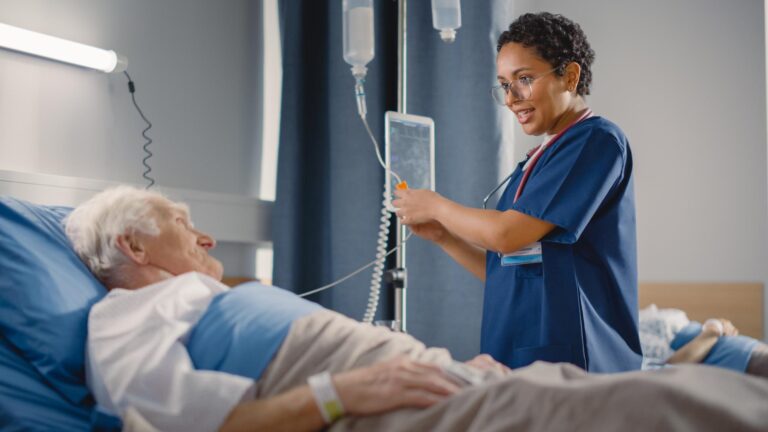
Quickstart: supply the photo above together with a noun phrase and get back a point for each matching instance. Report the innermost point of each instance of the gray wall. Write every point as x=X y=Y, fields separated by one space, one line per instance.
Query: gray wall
x=196 y=75
x=686 y=81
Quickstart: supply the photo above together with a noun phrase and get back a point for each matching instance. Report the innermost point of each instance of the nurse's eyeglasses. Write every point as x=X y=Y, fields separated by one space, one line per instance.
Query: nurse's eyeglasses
x=521 y=88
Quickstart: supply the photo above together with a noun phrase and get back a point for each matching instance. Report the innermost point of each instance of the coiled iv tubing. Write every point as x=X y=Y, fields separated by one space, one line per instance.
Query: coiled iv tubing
x=384 y=222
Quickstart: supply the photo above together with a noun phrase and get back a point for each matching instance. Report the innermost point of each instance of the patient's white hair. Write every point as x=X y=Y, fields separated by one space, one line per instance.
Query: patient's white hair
x=93 y=226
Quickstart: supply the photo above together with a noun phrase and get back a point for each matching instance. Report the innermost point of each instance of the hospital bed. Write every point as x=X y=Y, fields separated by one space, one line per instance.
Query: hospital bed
x=45 y=295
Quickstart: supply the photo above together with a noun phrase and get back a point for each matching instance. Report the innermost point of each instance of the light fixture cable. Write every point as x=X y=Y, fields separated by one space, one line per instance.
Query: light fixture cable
x=149 y=154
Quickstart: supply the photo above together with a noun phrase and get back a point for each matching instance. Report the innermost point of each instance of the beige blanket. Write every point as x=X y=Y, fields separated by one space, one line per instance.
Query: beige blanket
x=541 y=397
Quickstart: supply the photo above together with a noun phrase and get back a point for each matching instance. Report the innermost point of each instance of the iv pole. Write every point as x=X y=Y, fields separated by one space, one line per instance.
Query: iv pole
x=398 y=275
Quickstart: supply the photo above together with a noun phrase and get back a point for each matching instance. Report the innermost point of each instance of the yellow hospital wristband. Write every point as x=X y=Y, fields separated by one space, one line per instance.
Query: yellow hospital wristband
x=325 y=397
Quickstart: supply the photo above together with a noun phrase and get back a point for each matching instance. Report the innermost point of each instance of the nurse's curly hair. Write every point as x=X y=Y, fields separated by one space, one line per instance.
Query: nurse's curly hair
x=557 y=40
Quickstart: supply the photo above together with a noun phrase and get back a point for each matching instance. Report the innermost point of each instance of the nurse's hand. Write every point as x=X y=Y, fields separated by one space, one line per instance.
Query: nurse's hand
x=433 y=231
x=416 y=206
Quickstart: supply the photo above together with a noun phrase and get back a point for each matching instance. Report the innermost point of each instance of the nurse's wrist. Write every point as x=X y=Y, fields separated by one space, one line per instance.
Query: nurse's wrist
x=445 y=239
x=441 y=208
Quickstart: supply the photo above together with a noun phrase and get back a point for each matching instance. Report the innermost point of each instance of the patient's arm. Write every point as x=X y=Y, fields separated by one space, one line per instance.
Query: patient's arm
x=383 y=387
x=294 y=410
x=697 y=349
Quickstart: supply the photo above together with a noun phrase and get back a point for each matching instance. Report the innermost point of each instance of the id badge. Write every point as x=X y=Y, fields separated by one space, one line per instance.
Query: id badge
x=530 y=254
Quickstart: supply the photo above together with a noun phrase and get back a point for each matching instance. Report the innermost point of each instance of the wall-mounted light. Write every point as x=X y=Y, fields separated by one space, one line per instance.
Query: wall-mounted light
x=51 y=47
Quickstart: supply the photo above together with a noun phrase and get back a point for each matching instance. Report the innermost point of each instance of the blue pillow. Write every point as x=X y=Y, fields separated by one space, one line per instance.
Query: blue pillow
x=28 y=404
x=45 y=294
x=247 y=325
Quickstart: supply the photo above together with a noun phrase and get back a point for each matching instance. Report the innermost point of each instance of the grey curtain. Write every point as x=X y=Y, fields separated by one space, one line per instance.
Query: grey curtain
x=330 y=185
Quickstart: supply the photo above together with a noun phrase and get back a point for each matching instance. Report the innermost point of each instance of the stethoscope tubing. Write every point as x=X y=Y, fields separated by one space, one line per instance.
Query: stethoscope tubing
x=533 y=158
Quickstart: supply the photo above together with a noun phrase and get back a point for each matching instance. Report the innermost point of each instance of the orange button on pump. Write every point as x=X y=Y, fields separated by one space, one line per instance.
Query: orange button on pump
x=402 y=185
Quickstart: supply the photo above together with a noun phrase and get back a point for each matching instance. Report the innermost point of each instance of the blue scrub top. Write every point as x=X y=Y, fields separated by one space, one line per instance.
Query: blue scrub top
x=580 y=304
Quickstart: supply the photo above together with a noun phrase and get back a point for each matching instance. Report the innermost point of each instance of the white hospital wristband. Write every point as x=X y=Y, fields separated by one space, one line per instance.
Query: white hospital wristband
x=325 y=397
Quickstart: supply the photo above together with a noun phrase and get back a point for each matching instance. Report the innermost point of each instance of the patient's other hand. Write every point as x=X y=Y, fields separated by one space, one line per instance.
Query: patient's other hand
x=728 y=329
x=486 y=362
x=396 y=383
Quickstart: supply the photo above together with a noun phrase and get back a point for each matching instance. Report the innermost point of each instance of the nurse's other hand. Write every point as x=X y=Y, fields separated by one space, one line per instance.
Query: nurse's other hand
x=416 y=206
x=397 y=383
x=433 y=231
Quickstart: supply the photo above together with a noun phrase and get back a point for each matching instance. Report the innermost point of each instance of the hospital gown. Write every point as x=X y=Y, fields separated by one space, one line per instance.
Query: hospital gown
x=657 y=329
x=137 y=358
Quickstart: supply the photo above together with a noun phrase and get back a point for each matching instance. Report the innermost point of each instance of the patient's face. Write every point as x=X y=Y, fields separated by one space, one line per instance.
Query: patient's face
x=180 y=248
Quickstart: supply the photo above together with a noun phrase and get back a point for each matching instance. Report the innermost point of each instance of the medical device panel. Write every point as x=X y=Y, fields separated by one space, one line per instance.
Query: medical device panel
x=410 y=151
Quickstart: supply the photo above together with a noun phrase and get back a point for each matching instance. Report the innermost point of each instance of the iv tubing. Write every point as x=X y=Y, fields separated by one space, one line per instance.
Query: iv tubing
x=333 y=284
x=384 y=220
x=378 y=268
x=381 y=243
x=362 y=110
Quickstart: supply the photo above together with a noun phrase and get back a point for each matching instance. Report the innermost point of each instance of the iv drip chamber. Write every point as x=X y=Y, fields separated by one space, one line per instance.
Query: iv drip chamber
x=358 y=34
x=446 y=17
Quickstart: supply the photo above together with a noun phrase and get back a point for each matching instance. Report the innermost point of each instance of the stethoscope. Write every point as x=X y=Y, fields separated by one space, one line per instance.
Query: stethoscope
x=496 y=189
x=533 y=157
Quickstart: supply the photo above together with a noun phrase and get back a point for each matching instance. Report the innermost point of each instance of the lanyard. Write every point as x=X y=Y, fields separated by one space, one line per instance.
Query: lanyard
x=536 y=153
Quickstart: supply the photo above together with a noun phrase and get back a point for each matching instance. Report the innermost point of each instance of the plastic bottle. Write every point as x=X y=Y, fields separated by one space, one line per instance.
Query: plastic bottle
x=446 y=17
x=358 y=34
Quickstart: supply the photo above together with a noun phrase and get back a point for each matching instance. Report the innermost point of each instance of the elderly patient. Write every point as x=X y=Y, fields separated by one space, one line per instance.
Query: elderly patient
x=306 y=367
x=143 y=247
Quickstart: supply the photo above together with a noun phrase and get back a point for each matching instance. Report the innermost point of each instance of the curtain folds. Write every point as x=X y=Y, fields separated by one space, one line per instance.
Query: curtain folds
x=330 y=185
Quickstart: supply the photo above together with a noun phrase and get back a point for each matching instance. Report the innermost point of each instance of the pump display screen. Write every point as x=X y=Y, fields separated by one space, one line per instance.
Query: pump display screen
x=410 y=150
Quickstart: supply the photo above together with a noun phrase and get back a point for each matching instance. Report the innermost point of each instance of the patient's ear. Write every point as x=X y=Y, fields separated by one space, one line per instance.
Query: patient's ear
x=132 y=247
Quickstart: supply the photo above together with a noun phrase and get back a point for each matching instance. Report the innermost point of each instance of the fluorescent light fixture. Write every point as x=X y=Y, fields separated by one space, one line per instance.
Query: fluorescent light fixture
x=51 y=47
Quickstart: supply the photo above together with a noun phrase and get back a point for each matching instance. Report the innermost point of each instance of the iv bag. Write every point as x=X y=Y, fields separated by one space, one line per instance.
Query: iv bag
x=446 y=17
x=358 y=34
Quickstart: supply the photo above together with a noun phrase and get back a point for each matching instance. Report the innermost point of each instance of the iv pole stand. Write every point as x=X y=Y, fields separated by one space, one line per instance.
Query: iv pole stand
x=398 y=275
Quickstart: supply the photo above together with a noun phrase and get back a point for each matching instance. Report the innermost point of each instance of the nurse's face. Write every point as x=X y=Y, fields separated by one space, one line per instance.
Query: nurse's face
x=545 y=111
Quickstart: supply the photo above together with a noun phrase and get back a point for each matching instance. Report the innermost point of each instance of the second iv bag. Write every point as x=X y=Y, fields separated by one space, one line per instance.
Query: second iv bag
x=446 y=17
x=358 y=34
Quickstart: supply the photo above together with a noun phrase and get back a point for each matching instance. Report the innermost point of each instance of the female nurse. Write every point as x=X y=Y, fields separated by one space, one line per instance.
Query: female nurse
x=558 y=253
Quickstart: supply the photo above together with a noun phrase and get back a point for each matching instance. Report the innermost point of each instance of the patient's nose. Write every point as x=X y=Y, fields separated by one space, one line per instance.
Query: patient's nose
x=205 y=240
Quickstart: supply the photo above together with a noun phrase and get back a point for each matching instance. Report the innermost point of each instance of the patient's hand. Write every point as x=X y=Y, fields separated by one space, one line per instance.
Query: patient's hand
x=397 y=383
x=728 y=327
x=486 y=362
